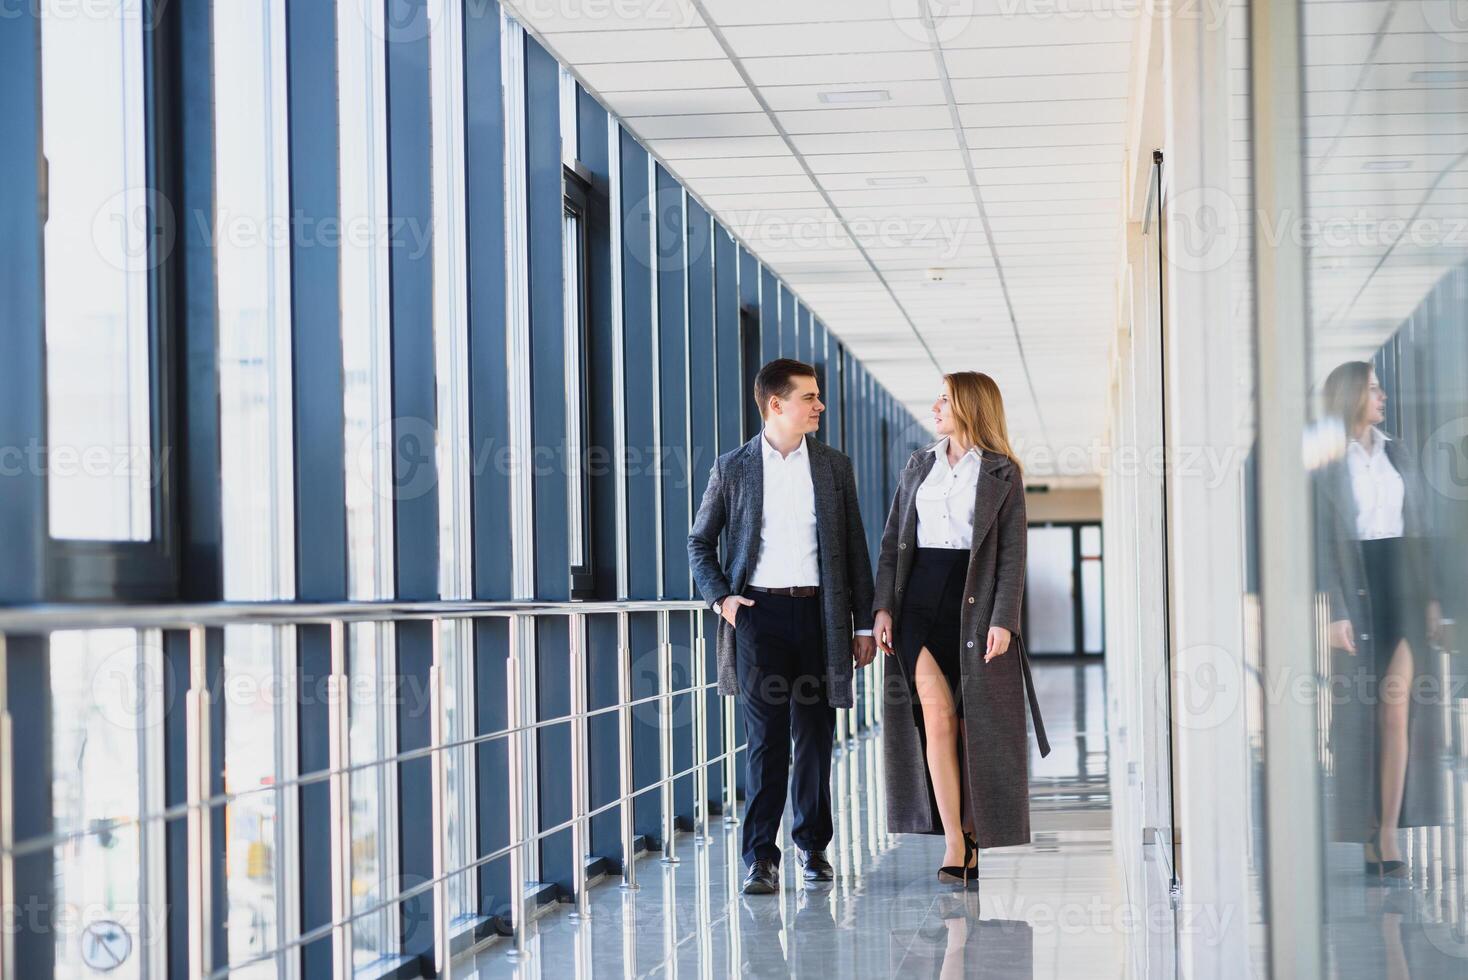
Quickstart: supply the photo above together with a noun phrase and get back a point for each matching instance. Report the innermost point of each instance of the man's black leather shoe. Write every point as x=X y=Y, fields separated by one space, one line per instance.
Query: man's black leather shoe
x=763 y=878
x=814 y=865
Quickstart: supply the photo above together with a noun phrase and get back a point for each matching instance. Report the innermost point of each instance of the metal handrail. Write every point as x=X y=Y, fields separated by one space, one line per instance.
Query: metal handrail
x=47 y=618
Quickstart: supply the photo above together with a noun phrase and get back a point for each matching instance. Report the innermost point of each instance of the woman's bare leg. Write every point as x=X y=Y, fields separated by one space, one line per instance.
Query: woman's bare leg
x=1392 y=713
x=941 y=727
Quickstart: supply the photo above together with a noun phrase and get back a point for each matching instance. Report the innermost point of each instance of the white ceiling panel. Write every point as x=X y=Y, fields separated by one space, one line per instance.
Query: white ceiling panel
x=612 y=78
x=1073 y=59
x=754 y=146
x=882 y=164
x=1039 y=88
x=688 y=101
x=866 y=69
x=734 y=13
x=702 y=126
x=898 y=119
x=923 y=139
x=827 y=97
x=839 y=37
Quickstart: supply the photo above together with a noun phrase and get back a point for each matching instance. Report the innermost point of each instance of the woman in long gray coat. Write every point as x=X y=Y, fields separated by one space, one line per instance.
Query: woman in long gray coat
x=1375 y=571
x=950 y=581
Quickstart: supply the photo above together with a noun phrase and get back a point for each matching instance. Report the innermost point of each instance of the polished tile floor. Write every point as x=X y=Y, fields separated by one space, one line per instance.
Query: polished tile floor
x=1049 y=909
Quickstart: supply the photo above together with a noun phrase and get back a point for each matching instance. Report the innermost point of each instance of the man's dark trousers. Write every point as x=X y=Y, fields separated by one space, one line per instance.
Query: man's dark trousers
x=781 y=666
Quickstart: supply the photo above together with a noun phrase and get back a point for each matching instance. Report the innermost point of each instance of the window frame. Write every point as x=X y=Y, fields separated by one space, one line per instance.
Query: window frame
x=118 y=570
x=579 y=199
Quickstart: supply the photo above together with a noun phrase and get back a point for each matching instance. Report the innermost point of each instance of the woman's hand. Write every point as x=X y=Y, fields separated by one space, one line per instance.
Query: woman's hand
x=882 y=631
x=998 y=643
x=1342 y=637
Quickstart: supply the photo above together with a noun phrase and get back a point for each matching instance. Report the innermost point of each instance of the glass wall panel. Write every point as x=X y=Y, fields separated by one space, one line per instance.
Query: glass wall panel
x=251 y=236
x=366 y=344
x=256 y=743
x=1385 y=202
x=98 y=230
x=371 y=737
x=106 y=707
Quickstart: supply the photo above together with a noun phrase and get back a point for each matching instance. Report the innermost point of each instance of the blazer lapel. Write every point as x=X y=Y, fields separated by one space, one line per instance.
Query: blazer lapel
x=823 y=482
x=909 y=507
x=752 y=476
x=989 y=495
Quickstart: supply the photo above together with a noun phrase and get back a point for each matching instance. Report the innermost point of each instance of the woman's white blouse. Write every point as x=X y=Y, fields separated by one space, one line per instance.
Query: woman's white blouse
x=1377 y=487
x=945 y=500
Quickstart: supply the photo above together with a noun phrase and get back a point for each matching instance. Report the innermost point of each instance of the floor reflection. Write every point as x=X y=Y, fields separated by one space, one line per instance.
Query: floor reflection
x=1050 y=909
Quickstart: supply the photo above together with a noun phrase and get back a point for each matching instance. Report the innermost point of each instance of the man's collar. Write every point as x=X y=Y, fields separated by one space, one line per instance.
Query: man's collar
x=770 y=450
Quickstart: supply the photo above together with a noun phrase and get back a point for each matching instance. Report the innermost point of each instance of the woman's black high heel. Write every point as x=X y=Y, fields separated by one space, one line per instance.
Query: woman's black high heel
x=1384 y=869
x=953 y=875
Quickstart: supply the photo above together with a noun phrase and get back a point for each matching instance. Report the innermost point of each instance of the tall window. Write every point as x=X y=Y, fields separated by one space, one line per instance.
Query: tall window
x=578 y=519
x=108 y=238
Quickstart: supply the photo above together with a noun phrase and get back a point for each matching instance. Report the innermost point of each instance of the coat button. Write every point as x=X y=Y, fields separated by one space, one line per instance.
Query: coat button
x=970 y=644
x=901 y=545
x=1365 y=636
x=970 y=600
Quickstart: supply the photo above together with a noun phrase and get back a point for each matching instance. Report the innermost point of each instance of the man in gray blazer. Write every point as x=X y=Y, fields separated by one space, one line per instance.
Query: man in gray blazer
x=795 y=581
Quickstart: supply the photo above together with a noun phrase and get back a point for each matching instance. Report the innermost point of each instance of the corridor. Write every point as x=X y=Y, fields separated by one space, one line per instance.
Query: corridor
x=404 y=397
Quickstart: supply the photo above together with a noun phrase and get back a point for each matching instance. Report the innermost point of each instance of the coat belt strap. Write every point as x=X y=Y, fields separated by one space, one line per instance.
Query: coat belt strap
x=1024 y=659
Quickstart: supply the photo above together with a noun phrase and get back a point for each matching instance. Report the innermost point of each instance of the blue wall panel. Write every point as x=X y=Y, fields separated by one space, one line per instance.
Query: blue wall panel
x=484 y=233
x=642 y=447
x=548 y=423
x=414 y=394
x=769 y=316
x=22 y=372
x=673 y=395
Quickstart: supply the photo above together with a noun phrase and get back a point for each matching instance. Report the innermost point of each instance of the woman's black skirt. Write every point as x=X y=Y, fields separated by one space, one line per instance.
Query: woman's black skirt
x=1396 y=613
x=930 y=618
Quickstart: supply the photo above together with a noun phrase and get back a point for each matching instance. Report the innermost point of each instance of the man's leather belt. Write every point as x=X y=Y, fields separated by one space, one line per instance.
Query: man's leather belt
x=796 y=591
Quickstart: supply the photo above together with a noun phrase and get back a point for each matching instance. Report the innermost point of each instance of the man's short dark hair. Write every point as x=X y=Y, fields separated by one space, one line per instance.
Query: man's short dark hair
x=777 y=380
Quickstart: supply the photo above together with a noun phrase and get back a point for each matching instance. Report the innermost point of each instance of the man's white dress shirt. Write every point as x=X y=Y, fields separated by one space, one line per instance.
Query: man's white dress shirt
x=1377 y=487
x=945 y=500
x=789 y=552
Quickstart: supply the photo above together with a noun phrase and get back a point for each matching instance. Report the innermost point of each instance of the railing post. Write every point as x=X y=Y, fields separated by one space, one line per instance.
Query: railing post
x=624 y=749
x=340 y=789
x=665 y=739
x=728 y=706
x=580 y=828
x=438 y=818
x=515 y=750
x=7 y=829
x=700 y=734
x=197 y=788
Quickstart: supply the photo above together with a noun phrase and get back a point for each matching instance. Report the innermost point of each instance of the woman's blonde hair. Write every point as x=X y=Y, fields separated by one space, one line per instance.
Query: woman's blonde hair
x=978 y=413
x=1347 y=394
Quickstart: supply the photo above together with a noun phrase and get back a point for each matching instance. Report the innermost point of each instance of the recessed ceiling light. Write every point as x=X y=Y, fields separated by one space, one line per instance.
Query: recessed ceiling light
x=897 y=181
x=859 y=95
x=1439 y=76
x=1387 y=165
